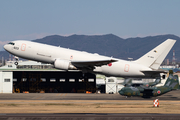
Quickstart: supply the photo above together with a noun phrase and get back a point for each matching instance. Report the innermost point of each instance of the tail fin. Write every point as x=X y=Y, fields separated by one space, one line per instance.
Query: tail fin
x=172 y=82
x=155 y=57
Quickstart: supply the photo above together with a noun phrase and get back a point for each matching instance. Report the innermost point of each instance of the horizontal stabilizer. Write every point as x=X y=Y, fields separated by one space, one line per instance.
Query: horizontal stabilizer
x=154 y=71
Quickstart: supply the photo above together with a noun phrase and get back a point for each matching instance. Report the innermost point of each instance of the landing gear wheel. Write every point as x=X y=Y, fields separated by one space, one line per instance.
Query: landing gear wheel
x=16 y=63
x=17 y=59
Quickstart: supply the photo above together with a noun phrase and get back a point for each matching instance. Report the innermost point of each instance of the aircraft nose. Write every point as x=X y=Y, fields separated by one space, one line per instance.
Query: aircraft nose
x=121 y=92
x=5 y=47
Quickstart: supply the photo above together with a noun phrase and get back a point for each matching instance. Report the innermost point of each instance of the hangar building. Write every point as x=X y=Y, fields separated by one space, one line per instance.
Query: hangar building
x=35 y=77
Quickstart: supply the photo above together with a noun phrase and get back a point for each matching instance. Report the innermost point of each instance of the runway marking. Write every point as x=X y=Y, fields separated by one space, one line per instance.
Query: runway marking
x=38 y=97
x=61 y=94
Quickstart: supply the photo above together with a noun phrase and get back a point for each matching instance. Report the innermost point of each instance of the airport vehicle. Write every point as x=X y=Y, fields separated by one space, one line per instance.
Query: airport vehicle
x=172 y=83
x=128 y=83
x=67 y=59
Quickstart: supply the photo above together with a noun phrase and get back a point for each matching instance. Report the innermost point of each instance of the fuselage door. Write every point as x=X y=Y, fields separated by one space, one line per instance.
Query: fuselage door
x=23 y=47
x=126 y=68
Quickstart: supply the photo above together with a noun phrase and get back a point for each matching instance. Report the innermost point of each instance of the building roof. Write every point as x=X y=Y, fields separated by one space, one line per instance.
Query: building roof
x=29 y=66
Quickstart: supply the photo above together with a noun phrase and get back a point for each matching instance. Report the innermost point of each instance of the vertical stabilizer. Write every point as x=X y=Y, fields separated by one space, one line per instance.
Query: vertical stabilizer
x=155 y=57
x=172 y=82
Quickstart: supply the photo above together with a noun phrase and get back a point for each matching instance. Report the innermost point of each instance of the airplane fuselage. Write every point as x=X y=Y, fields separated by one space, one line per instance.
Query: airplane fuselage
x=138 y=91
x=48 y=54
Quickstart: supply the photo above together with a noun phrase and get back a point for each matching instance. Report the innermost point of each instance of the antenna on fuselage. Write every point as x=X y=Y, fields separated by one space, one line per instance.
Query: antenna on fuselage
x=130 y=59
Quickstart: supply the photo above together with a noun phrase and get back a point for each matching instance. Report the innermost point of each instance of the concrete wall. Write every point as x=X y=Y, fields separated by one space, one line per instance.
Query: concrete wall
x=6 y=82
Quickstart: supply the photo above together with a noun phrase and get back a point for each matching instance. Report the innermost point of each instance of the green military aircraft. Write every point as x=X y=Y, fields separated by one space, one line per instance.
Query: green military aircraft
x=172 y=83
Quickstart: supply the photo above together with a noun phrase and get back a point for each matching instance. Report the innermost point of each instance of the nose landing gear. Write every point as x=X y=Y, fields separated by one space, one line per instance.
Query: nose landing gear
x=17 y=59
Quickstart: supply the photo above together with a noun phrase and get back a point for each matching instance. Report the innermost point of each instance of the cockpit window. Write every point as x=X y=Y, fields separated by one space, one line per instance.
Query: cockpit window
x=11 y=43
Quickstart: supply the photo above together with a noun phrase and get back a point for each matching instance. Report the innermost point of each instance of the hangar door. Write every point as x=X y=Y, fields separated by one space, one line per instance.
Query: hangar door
x=53 y=82
x=6 y=82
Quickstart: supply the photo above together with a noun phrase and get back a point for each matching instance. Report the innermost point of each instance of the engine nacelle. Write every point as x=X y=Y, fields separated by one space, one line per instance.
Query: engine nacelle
x=64 y=65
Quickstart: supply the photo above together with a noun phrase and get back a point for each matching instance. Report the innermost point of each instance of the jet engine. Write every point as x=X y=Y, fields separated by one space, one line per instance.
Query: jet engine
x=64 y=65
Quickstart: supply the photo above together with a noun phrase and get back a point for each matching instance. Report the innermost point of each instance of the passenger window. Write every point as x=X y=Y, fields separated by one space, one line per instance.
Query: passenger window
x=110 y=80
x=6 y=80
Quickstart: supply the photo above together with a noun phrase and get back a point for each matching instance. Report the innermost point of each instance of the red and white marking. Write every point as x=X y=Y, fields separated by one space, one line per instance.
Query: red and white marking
x=110 y=64
x=158 y=92
x=23 y=47
x=126 y=68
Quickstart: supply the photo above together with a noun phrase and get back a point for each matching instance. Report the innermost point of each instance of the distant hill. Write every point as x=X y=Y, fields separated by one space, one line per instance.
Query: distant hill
x=111 y=45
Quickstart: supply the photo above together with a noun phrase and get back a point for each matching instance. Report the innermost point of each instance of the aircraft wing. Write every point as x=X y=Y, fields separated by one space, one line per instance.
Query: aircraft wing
x=152 y=84
x=145 y=88
x=91 y=64
x=154 y=72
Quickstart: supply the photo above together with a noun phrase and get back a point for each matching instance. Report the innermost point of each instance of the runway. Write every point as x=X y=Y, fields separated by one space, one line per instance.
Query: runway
x=87 y=116
x=173 y=95
x=73 y=106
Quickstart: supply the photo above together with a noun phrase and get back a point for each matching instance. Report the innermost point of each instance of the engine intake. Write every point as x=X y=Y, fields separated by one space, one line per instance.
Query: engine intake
x=64 y=65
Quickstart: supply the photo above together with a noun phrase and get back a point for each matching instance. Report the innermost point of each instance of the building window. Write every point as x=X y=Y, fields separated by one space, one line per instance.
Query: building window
x=71 y=80
x=81 y=80
x=24 y=79
x=32 y=79
x=52 y=80
x=110 y=80
x=43 y=79
x=14 y=79
x=90 y=80
x=9 y=65
x=62 y=80
x=6 y=80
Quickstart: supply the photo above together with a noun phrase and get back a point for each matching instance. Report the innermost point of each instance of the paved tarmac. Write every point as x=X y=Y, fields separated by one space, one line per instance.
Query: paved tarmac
x=173 y=95
x=89 y=116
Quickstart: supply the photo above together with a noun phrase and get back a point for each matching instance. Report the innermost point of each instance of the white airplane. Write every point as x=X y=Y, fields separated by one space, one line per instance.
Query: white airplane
x=67 y=59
